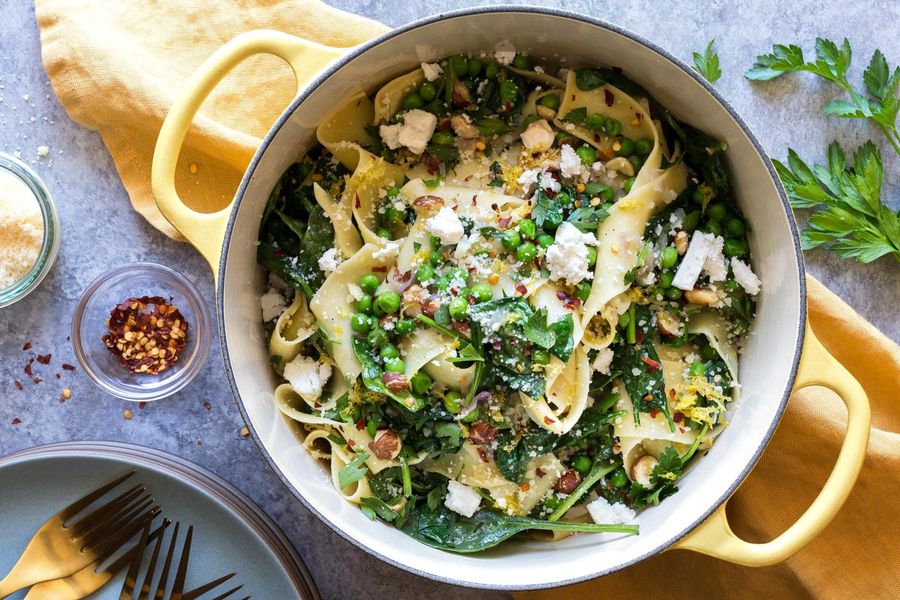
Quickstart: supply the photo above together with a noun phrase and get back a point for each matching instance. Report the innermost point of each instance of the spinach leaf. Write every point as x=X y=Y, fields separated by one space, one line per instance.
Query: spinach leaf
x=643 y=379
x=514 y=453
x=547 y=213
x=443 y=529
x=588 y=79
x=353 y=471
x=565 y=342
x=576 y=116
x=371 y=376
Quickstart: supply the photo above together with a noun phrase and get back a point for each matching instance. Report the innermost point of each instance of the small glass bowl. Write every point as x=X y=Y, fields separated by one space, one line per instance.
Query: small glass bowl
x=132 y=281
x=50 y=243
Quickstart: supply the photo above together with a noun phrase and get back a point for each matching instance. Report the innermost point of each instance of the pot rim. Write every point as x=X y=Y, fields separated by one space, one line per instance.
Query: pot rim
x=361 y=49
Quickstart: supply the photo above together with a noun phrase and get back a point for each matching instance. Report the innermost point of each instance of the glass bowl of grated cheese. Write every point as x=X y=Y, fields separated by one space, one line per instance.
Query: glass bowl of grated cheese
x=29 y=230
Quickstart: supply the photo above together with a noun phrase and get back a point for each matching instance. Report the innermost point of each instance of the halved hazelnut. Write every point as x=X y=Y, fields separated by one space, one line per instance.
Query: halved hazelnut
x=386 y=445
x=681 y=242
x=641 y=469
x=701 y=296
x=461 y=94
x=668 y=324
x=395 y=382
x=413 y=298
x=545 y=112
x=481 y=433
x=427 y=203
x=568 y=482
x=463 y=127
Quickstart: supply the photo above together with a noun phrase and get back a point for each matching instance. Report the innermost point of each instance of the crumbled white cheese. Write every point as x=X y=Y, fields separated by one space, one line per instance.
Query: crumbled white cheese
x=704 y=253
x=538 y=136
x=462 y=499
x=329 y=261
x=432 y=71
x=569 y=161
x=307 y=376
x=414 y=133
x=43 y=151
x=446 y=226
x=504 y=52
x=745 y=276
x=356 y=292
x=389 y=251
x=610 y=514
x=567 y=257
x=602 y=361
x=272 y=304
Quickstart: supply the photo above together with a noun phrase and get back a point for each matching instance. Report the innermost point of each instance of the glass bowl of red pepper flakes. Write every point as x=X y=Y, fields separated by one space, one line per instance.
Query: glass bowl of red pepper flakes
x=141 y=331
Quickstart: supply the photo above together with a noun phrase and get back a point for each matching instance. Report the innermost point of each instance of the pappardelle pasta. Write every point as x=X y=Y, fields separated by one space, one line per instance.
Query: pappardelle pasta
x=506 y=301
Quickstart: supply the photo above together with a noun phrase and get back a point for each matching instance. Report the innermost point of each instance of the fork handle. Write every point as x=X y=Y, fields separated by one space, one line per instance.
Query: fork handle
x=12 y=583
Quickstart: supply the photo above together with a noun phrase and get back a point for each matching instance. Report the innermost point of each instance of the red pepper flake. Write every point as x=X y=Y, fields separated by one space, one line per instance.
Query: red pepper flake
x=671 y=393
x=19 y=385
x=470 y=299
x=549 y=421
x=379 y=269
x=539 y=472
x=496 y=345
x=207 y=406
x=26 y=347
x=462 y=328
x=15 y=421
x=474 y=199
x=653 y=413
x=520 y=288
x=608 y=96
x=525 y=487
x=483 y=454
x=279 y=253
x=146 y=334
x=351 y=443
x=568 y=300
x=652 y=365
x=37 y=380
x=495 y=207
x=68 y=367
x=58 y=376
x=358 y=203
x=142 y=405
x=402 y=277
x=504 y=222
x=639 y=336
x=527 y=350
x=677 y=417
x=28 y=370
x=360 y=425
x=44 y=359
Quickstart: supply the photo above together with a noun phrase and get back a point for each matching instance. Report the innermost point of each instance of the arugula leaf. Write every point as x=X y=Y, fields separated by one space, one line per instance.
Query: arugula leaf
x=707 y=64
x=547 y=211
x=353 y=471
x=879 y=101
x=642 y=377
x=851 y=221
x=588 y=218
x=441 y=528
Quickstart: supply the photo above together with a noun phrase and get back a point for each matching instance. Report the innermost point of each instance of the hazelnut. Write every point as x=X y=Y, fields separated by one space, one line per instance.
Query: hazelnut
x=622 y=165
x=463 y=127
x=538 y=136
x=681 y=242
x=412 y=300
x=701 y=296
x=395 y=382
x=427 y=203
x=480 y=433
x=641 y=469
x=568 y=482
x=386 y=445
x=668 y=324
x=545 y=112
x=461 y=94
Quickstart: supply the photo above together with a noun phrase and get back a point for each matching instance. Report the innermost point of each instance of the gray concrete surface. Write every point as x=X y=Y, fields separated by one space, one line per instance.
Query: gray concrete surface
x=101 y=231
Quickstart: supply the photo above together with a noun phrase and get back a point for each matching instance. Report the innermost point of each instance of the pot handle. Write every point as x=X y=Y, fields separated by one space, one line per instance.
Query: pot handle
x=714 y=537
x=206 y=231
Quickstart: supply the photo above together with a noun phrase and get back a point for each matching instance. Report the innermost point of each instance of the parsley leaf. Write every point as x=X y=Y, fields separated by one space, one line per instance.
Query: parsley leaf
x=878 y=102
x=353 y=471
x=546 y=210
x=662 y=478
x=588 y=218
x=536 y=330
x=852 y=222
x=707 y=64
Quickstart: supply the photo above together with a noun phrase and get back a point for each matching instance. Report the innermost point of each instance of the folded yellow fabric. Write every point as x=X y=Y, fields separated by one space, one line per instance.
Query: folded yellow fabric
x=117 y=65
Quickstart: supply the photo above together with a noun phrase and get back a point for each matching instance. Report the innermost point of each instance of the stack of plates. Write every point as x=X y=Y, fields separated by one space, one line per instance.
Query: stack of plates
x=231 y=533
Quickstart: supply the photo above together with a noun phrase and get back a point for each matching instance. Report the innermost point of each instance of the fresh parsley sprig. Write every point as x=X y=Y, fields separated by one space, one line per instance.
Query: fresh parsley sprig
x=853 y=223
x=707 y=63
x=879 y=101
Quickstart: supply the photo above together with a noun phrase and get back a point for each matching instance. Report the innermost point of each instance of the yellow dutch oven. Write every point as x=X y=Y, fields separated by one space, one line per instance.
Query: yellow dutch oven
x=781 y=355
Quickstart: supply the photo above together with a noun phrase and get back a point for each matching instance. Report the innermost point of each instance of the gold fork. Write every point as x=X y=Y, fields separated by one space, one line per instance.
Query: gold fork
x=91 y=578
x=61 y=548
x=159 y=590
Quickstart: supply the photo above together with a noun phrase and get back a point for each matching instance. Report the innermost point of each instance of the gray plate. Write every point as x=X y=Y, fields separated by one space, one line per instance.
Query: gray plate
x=231 y=533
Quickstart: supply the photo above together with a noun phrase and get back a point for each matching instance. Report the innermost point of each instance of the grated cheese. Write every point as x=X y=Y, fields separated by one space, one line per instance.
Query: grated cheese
x=21 y=229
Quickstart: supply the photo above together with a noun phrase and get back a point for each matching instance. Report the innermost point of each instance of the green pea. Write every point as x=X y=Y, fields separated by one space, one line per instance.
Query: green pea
x=521 y=62
x=734 y=248
x=551 y=101
x=436 y=258
x=443 y=138
x=699 y=196
x=595 y=189
x=420 y=383
x=540 y=356
x=482 y=292
x=428 y=91
x=492 y=70
x=511 y=239
x=378 y=338
x=636 y=161
x=393 y=191
x=628 y=183
x=459 y=307
x=643 y=146
x=472 y=416
x=404 y=326
x=527 y=228
x=713 y=227
x=443 y=283
x=372 y=428
x=453 y=402
x=551 y=503
x=474 y=66
x=413 y=100
x=369 y=283
x=613 y=127
x=698 y=369
x=735 y=227
x=731 y=285
x=587 y=154
x=425 y=273
x=387 y=302
x=460 y=64
x=619 y=478
x=591 y=255
x=394 y=216
x=384 y=233
x=527 y=251
x=582 y=464
x=717 y=211
x=626 y=147
x=360 y=322
x=545 y=240
x=457 y=274
x=394 y=365
x=673 y=293
x=389 y=351
x=564 y=198
x=364 y=304
x=668 y=257
x=582 y=292
x=595 y=121
x=666 y=279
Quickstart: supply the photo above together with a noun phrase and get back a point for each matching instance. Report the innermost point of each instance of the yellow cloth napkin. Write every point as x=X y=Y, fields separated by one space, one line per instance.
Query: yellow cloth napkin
x=116 y=66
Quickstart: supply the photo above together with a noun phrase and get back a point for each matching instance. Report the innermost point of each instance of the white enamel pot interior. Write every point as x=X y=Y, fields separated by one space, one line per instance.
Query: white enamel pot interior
x=767 y=366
